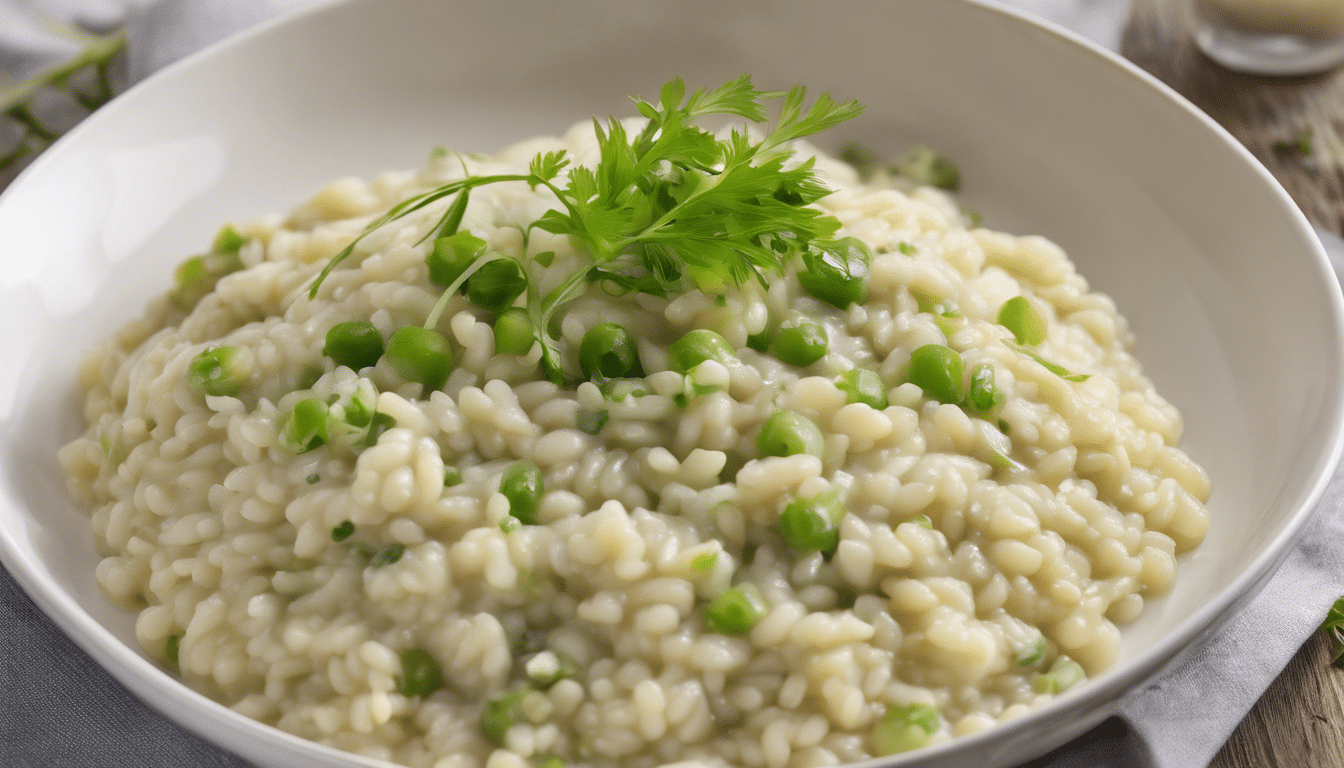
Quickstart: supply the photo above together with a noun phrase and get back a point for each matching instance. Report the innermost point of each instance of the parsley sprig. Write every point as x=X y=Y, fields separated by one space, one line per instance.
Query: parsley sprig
x=1334 y=626
x=670 y=207
x=93 y=63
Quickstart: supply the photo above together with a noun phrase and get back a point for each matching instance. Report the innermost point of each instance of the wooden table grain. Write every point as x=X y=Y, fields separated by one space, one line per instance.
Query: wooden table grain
x=1300 y=719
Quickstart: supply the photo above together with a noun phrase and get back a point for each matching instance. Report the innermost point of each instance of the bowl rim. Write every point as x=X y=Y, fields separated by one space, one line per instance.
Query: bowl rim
x=213 y=720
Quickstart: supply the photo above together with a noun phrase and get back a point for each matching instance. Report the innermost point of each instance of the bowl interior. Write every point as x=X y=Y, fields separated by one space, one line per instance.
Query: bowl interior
x=1221 y=279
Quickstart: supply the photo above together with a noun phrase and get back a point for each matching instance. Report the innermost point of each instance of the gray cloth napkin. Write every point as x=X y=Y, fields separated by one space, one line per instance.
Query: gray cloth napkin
x=60 y=709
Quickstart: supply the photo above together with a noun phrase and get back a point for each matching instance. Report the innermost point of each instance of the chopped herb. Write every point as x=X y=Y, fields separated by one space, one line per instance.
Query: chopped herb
x=1003 y=426
x=862 y=158
x=420 y=673
x=591 y=422
x=170 y=650
x=924 y=166
x=501 y=714
x=973 y=217
x=922 y=521
x=342 y=531
x=1301 y=144
x=387 y=555
x=451 y=476
x=378 y=424
x=906 y=248
x=313 y=479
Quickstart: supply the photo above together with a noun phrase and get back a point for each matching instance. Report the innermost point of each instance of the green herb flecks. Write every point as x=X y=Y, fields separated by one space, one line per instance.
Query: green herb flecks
x=672 y=206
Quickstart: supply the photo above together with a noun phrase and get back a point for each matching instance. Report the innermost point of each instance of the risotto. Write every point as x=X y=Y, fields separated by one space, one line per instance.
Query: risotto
x=497 y=489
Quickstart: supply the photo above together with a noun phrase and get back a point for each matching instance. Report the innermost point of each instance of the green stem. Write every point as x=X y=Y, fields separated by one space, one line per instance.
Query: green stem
x=433 y=320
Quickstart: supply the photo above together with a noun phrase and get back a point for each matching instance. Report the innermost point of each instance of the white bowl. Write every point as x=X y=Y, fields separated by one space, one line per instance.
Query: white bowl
x=1236 y=309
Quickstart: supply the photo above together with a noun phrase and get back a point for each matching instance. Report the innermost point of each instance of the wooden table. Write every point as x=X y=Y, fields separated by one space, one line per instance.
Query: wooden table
x=1300 y=719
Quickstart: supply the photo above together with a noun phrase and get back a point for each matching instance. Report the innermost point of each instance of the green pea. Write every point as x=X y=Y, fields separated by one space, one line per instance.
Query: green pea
x=902 y=729
x=937 y=370
x=421 y=355
x=420 y=673
x=1018 y=316
x=813 y=524
x=220 y=370
x=196 y=277
x=982 y=394
x=496 y=284
x=861 y=385
x=307 y=426
x=698 y=346
x=228 y=240
x=452 y=255
x=501 y=714
x=355 y=344
x=608 y=351
x=736 y=611
x=837 y=273
x=1063 y=675
x=1031 y=655
x=514 y=332
x=787 y=433
x=802 y=344
x=523 y=486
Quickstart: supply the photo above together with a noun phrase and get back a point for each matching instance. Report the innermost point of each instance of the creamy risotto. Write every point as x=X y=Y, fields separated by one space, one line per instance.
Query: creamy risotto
x=867 y=483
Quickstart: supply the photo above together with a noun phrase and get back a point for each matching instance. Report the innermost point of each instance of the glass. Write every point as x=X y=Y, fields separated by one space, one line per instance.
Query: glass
x=1270 y=37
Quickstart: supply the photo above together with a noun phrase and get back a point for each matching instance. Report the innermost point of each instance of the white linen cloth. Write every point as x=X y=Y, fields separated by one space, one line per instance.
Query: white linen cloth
x=58 y=708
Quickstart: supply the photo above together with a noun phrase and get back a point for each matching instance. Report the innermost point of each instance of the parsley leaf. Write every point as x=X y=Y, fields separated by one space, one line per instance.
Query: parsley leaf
x=671 y=207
